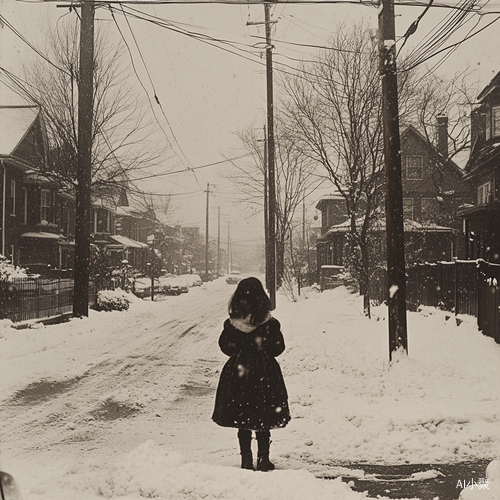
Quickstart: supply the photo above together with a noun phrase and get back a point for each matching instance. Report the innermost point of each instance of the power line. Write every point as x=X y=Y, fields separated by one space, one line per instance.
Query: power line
x=30 y=45
x=191 y=168
x=452 y=46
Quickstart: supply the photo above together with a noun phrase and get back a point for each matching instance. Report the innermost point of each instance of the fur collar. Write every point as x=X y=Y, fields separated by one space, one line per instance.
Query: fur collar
x=244 y=325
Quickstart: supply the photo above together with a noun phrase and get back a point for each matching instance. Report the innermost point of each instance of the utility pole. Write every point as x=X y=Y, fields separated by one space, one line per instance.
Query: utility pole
x=83 y=198
x=229 y=257
x=394 y=198
x=206 y=233
x=271 y=181
x=218 y=242
x=270 y=161
x=266 y=213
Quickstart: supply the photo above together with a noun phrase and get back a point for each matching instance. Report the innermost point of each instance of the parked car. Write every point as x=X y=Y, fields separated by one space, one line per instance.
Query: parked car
x=171 y=285
x=142 y=286
x=234 y=278
x=207 y=277
x=191 y=279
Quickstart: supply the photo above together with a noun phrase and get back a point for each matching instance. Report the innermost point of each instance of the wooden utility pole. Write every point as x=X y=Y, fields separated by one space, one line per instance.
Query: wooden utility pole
x=394 y=198
x=271 y=271
x=266 y=213
x=269 y=176
x=218 y=242
x=206 y=233
x=83 y=199
x=229 y=263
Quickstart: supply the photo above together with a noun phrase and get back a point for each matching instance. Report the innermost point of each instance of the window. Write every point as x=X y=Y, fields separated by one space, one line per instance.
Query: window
x=408 y=208
x=430 y=206
x=484 y=193
x=414 y=168
x=495 y=121
x=45 y=205
x=13 y=197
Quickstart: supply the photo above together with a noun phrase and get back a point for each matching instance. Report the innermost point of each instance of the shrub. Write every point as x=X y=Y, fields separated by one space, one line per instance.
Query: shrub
x=112 y=300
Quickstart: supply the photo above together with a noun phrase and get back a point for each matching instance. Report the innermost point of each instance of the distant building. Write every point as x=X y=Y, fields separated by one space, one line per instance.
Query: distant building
x=433 y=189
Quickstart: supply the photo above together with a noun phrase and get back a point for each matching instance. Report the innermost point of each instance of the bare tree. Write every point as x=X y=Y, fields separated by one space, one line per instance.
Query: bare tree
x=333 y=107
x=121 y=128
x=335 y=114
x=295 y=178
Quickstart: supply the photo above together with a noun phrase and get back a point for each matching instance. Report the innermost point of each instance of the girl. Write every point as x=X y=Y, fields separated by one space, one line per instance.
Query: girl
x=251 y=394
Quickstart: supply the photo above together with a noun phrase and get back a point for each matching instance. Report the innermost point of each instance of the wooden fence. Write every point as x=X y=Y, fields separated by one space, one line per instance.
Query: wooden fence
x=462 y=287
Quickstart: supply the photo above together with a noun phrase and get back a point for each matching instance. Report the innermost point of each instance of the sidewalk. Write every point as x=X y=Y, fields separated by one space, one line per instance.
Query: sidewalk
x=395 y=481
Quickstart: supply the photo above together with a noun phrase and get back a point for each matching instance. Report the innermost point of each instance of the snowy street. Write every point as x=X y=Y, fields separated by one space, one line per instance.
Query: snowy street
x=119 y=405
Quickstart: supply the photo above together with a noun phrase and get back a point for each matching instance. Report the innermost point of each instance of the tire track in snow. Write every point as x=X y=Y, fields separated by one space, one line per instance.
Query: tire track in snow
x=172 y=358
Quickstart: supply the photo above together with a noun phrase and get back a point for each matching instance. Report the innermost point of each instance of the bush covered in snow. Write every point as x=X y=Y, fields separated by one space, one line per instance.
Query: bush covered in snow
x=112 y=300
x=8 y=270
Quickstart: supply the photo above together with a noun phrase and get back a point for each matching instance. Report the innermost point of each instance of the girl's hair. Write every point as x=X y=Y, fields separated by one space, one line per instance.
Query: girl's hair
x=249 y=301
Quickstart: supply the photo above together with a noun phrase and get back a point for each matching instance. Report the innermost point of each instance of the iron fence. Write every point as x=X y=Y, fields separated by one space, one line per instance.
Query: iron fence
x=41 y=298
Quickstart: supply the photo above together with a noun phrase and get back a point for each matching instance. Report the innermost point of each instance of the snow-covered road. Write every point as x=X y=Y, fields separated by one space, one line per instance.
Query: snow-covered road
x=118 y=405
x=112 y=387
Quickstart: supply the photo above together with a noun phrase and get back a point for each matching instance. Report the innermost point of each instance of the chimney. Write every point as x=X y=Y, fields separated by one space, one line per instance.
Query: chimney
x=442 y=139
x=477 y=125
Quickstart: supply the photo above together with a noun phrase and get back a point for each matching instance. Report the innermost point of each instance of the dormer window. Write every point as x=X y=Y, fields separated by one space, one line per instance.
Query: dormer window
x=495 y=121
x=484 y=193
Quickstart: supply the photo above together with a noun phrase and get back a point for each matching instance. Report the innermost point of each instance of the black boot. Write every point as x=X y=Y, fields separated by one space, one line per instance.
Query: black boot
x=245 y=439
x=263 y=443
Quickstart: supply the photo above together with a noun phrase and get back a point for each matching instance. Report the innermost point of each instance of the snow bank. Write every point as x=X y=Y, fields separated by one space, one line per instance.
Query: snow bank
x=438 y=404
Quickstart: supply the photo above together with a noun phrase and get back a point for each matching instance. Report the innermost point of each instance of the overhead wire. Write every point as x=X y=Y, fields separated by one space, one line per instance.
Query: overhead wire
x=4 y=21
x=214 y=41
x=450 y=47
x=146 y=91
x=192 y=168
x=154 y=89
x=435 y=39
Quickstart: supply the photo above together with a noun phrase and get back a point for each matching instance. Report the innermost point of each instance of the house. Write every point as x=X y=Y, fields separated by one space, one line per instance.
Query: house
x=433 y=189
x=333 y=211
x=424 y=242
x=481 y=218
x=36 y=218
x=38 y=210
x=433 y=184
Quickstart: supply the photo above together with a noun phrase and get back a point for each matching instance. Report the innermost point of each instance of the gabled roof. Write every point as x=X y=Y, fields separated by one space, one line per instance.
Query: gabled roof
x=490 y=88
x=482 y=153
x=412 y=130
x=15 y=122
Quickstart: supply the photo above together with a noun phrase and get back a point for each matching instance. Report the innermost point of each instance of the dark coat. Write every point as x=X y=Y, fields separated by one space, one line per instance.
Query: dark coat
x=251 y=393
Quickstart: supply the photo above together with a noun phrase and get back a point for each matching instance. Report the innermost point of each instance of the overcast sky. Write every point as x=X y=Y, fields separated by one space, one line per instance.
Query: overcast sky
x=210 y=91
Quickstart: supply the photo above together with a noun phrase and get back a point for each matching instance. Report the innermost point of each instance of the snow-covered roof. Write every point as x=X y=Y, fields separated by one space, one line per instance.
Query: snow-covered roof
x=127 y=242
x=409 y=226
x=15 y=121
